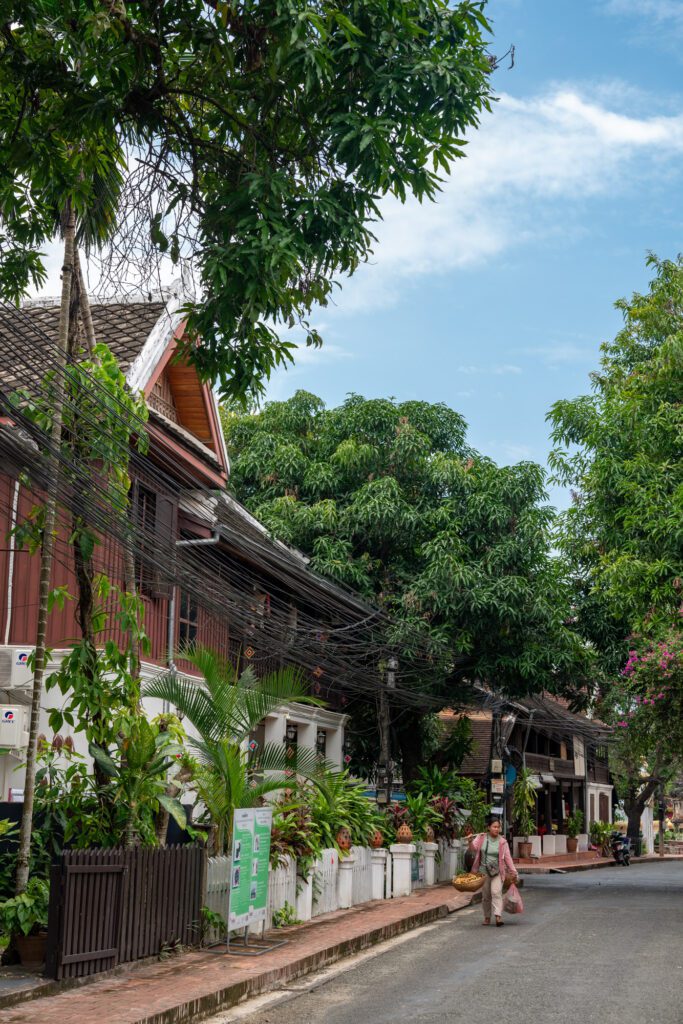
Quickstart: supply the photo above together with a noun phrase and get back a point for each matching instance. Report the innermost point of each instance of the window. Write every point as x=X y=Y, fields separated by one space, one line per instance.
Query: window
x=145 y=524
x=155 y=524
x=188 y=619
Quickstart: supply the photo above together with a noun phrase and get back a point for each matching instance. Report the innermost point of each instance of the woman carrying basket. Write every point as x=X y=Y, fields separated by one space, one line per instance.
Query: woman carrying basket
x=493 y=860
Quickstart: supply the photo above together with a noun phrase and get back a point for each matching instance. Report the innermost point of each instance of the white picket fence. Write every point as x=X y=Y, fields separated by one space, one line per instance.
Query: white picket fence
x=217 y=894
x=361 y=875
x=321 y=895
x=325 y=874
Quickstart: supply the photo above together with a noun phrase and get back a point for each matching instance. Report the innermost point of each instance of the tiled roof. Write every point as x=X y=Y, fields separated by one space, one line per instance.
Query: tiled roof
x=476 y=764
x=28 y=335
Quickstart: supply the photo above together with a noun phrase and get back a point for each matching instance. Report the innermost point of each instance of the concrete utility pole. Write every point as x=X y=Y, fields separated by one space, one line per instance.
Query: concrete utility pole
x=385 y=766
x=662 y=812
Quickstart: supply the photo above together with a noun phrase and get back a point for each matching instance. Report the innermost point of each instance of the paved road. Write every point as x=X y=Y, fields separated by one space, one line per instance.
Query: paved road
x=594 y=947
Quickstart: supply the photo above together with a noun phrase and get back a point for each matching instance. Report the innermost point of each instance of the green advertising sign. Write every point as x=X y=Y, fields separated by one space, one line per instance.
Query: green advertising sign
x=249 y=866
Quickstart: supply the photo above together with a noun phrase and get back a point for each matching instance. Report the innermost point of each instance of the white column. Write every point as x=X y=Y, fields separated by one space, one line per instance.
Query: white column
x=379 y=863
x=306 y=734
x=429 y=851
x=334 y=742
x=345 y=882
x=274 y=728
x=402 y=854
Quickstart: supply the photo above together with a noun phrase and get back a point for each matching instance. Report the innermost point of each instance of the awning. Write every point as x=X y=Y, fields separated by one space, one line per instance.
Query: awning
x=535 y=781
x=549 y=780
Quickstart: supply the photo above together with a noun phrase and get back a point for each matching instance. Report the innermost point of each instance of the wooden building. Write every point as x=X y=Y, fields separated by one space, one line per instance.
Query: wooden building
x=206 y=570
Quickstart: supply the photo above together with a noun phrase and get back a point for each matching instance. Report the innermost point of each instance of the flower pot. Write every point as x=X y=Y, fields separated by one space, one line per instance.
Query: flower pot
x=344 y=839
x=572 y=844
x=376 y=840
x=404 y=834
x=31 y=950
x=525 y=850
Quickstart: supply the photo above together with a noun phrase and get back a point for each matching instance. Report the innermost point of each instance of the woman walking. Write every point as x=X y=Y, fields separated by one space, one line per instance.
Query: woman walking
x=493 y=860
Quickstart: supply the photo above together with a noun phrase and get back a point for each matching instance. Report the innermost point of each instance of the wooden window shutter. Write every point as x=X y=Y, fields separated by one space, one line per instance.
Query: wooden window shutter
x=166 y=528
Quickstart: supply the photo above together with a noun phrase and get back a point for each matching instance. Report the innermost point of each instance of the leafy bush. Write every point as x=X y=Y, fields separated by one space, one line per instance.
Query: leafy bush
x=26 y=914
x=285 y=916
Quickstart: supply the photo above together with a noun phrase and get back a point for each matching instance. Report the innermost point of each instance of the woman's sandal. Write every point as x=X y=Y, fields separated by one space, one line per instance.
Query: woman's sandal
x=487 y=920
x=499 y=922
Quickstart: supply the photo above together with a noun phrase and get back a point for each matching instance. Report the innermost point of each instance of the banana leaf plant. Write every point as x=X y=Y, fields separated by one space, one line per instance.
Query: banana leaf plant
x=224 y=706
x=137 y=769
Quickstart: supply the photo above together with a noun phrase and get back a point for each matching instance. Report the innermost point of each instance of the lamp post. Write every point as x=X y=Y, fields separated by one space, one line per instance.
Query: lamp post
x=385 y=766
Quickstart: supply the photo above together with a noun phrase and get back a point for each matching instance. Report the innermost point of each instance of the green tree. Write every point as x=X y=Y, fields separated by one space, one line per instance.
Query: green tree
x=389 y=498
x=256 y=137
x=620 y=450
x=224 y=707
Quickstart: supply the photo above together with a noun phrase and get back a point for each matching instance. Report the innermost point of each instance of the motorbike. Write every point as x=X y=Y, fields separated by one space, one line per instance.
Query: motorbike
x=621 y=849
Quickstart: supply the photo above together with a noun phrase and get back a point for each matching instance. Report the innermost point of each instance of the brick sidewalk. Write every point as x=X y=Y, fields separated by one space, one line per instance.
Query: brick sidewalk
x=197 y=984
x=581 y=862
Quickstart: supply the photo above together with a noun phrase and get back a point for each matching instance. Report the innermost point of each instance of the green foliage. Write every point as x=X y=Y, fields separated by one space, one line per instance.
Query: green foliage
x=620 y=448
x=421 y=815
x=387 y=497
x=224 y=707
x=285 y=916
x=575 y=823
x=70 y=811
x=260 y=140
x=295 y=833
x=524 y=795
x=98 y=686
x=26 y=914
x=601 y=836
x=339 y=801
x=138 y=768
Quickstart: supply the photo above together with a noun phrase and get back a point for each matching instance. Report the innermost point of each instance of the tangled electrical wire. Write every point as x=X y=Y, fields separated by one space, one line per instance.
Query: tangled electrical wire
x=321 y=628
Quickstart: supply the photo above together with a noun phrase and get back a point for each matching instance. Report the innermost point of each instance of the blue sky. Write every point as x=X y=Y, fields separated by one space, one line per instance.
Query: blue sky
x=496 y=299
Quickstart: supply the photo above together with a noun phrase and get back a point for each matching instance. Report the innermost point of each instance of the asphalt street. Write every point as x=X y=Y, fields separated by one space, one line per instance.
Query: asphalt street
x=595 y=947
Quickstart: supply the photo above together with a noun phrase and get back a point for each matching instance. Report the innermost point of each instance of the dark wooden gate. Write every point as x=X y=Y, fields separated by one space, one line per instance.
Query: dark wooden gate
x=115 y=906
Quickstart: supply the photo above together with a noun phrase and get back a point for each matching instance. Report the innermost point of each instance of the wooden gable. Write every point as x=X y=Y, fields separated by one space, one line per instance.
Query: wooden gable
x=179 y=395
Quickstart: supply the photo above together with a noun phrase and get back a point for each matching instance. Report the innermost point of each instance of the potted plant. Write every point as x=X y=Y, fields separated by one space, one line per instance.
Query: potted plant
x=523 y=803
x=24 y=917
x=574 y=826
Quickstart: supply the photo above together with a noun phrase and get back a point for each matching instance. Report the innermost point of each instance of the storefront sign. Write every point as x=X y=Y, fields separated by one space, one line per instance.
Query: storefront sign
x=249 y=866
x=497 y=785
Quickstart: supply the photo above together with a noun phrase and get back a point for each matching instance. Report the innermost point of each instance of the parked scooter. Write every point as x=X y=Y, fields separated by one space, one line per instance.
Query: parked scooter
x=621 y=849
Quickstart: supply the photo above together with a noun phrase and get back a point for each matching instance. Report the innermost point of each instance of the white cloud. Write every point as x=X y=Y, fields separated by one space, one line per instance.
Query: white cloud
x=499 y=369
x=530 y=161
x=659 y=11
x=559 y=353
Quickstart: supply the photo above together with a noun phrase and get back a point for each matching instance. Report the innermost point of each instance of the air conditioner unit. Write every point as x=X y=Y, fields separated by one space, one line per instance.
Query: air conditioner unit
x=15 y=673
x=13 y=733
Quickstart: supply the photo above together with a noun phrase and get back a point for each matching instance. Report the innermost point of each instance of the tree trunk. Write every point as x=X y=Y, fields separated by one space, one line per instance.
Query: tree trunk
x=634 y=805
x=46 y=557
x=84 y=303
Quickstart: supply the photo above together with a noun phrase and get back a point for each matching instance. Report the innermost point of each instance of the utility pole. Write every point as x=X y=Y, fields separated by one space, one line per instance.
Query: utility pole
x=385 y=766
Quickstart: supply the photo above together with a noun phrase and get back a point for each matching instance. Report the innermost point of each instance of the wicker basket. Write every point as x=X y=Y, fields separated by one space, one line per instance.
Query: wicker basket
x=468 y=882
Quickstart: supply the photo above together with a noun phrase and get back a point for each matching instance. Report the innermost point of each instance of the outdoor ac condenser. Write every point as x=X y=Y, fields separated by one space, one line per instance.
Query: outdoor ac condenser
x=13 y=733
x=15 y=673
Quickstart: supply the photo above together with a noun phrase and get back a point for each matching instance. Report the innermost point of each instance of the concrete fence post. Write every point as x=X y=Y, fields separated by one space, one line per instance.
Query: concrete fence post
x=429 y=852
x=379 y=863
x=345 y=882
x=402 y=856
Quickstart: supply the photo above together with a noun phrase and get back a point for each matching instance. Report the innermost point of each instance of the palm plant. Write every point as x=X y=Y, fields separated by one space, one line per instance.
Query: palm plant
x=224 y=707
